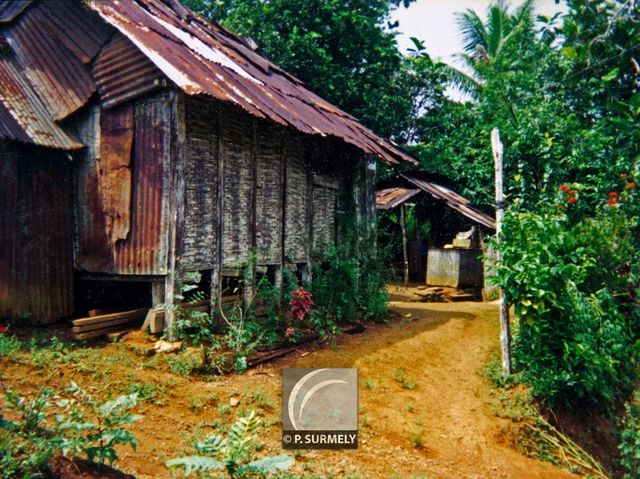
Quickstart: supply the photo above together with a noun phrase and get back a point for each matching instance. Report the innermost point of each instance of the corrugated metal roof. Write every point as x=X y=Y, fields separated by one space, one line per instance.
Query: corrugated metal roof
x=453 y=200
x=10 y=9
x=23 y=117
x=59 y=78
x=202 y=58
x=123 y=72
x=392 y=197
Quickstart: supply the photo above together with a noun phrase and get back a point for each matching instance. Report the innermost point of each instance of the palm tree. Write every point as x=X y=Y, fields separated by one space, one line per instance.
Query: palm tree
x=484 y=41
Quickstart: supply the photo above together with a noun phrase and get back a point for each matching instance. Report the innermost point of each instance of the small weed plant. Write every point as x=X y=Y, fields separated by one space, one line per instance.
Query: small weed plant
x=233 y=454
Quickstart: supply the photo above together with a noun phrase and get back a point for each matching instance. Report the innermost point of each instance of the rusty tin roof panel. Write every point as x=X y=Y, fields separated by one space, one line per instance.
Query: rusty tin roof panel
x=10 y=9
x=75 y=26
x=202 y=58
x=59 y=78
x=453 y=200
x=22 y=115
x=123 y=72
x=392 y=197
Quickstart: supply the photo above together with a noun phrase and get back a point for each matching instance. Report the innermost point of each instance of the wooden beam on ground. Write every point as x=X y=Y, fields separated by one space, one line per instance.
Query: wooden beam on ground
x=131 y=315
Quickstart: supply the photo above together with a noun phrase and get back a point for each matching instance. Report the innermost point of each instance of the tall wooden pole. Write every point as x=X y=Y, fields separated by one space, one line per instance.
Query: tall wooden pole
x=404 y=247
x=505 y=333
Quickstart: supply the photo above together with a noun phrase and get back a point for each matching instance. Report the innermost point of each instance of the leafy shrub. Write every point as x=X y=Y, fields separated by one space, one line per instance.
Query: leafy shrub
x=34 y=434
x=562 y=275
x=233 y=454
x=348 y=287
x=96 y=433
x=196 y=327
x=9 y=345
x=25 y=443
x=630 y=440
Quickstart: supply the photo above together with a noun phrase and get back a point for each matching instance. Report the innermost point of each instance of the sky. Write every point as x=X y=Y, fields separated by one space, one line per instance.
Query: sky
x=434 y=22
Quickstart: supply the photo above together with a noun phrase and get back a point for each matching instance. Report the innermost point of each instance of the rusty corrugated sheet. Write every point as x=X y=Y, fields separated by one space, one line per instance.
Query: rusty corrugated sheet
x=22 y=116
x=62 y=82
x=123 y=72
x=144 y=251
x=74 y=25
x=10 y=9
x=36 y=264
x=392 y=197
x=453 y=200
x=202 y=58
x=114 y=171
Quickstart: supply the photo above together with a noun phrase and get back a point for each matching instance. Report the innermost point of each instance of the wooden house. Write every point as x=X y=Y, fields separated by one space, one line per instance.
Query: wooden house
x=184 y=150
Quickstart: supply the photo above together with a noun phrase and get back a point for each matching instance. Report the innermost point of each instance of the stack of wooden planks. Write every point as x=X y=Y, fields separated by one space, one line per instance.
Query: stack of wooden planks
x=98 y=325
x=430 y=295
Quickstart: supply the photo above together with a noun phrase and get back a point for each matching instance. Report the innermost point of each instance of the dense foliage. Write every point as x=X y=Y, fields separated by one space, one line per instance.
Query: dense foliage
x=567 y=282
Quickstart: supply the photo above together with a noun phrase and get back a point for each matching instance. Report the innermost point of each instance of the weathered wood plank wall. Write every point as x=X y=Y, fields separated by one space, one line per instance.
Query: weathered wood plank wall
x=269 y=157
x=296 y=217
x=236 y=131
x=282 y=193
x=201 y=180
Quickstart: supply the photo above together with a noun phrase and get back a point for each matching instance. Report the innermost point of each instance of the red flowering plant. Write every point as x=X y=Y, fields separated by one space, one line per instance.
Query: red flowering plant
x=4 y=329
x=300 y=304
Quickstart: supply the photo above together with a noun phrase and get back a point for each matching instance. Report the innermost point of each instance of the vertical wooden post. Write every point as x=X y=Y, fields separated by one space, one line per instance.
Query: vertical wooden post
x=405 y=258
x=280 y=274
x=250 y=273
x=216 y=272
x=505 y=333
x=176 y=205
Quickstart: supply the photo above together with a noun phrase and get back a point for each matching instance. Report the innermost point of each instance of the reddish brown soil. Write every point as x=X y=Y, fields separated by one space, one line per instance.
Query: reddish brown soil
x=443 y=428
x=63 y=468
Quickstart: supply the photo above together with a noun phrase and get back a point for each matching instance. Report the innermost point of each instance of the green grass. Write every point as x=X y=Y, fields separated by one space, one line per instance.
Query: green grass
x=262 y=399
x=9 y=346
x=399 y=376
x=148 y=392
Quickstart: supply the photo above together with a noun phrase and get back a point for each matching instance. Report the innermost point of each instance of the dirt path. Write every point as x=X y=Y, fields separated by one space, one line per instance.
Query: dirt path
x=441 y=428
x=448 y=412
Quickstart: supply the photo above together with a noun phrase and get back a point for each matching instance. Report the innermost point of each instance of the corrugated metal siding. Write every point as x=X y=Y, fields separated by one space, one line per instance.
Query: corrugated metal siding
x=114 y=170
x=238 y=185
x=36 y=264
x=269 y=158
x=297 y=201
x=123 y=72
x=145 y=249
x=200 y=239
x=8 y=226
